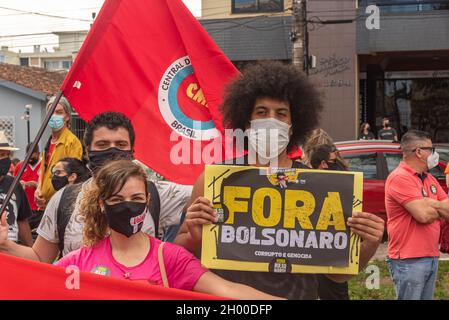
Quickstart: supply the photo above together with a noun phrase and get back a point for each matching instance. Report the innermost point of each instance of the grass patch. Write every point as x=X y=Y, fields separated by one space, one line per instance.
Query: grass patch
x=359 y=291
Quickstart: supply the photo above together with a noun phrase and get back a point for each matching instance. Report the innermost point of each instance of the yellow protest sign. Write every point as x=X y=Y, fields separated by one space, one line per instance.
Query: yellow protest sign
x=282 y=220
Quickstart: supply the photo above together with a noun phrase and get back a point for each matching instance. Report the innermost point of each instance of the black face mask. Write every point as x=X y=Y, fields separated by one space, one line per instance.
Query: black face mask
x=59 y=182
x=5 y=164
x=333 y=166
x=126 y=217
x=33 y=161
x=98 y=158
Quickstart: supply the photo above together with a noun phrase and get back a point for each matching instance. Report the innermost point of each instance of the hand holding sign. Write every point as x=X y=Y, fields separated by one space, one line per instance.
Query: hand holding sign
x=200 y=212
x=367 y=225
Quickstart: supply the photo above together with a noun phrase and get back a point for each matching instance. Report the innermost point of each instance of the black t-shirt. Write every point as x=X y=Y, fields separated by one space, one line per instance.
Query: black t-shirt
x=18 y=208
x=331 y=290
x=368 y=136
x=293 y=286
x=387 y=134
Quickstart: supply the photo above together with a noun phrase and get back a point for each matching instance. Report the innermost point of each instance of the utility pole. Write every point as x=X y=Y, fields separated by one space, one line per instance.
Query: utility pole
x=298 y=35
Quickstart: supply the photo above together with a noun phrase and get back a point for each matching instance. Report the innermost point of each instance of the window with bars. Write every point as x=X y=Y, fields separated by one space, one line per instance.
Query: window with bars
x=7 y=124
x=78 y=126
x=399 y=6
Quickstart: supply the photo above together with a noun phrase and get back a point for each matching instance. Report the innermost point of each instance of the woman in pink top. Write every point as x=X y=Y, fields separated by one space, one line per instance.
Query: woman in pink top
x=113 y=212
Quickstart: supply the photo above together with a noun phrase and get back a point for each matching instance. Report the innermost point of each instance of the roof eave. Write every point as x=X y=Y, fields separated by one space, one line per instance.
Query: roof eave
x=23 y=90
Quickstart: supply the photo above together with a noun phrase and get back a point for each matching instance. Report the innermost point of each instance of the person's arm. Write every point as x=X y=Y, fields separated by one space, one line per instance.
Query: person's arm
x=23 y=214
x=403 y=190
x=422 y=210
x=25 y=232
x=212 y=284
x=447 y=180
x=42 y=250
x=371 y=229
x=442 y=207
x=199 y=212
x=31 y=184
x=40 y=201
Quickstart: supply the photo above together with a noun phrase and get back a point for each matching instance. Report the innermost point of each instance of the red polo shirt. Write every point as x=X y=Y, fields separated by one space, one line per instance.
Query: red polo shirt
x=30 y=174
x=407 y=238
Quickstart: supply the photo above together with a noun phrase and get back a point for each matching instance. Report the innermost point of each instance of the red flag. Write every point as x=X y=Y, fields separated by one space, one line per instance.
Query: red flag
x=29 y=280
x=154 y=62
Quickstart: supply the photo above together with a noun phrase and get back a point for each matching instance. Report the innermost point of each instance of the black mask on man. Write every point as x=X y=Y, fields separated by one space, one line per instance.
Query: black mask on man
x=98 y=158
x=59 y=182
x=126 y=217
x=333 y=166
x=5 y=164
x=33 y=161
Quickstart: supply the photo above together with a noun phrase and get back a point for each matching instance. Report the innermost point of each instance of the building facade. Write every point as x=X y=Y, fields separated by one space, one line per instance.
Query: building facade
x=404 y=67
x=363 y=73
x=60 y=59
x=22 y=89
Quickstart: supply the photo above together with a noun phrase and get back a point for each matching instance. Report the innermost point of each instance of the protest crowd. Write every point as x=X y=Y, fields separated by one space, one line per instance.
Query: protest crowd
x=90 y=204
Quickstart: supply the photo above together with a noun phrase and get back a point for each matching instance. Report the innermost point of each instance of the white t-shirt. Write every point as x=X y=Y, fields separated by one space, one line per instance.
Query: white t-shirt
x=173 y=198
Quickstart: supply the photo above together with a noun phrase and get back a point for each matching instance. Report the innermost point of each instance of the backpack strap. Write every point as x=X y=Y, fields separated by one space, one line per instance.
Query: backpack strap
x=65 y=210
x=160 y=258
x=155 y=206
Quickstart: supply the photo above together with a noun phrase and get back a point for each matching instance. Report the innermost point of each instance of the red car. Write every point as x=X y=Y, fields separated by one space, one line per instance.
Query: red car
x=376 y=159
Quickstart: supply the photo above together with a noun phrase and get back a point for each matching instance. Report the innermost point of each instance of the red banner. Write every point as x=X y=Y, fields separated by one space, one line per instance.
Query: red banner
x=30 y=280
x=153 y=61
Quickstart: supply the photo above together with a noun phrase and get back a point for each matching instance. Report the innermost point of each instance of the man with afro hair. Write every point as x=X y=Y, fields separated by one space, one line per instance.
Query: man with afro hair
x=272 y=95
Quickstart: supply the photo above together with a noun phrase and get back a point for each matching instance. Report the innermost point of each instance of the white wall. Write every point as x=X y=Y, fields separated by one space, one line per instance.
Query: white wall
x=12 y=103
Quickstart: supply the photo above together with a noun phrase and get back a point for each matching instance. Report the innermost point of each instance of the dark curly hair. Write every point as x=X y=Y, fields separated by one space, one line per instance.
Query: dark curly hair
x=112 y=121
x=278 y=81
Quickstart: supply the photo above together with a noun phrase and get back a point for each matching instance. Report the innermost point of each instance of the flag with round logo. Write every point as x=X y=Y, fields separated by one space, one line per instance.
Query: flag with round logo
x=153 y=61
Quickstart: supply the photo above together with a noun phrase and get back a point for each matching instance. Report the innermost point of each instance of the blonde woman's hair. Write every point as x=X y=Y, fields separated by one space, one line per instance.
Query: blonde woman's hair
x=108 y=181
x=315 y=138
x=318 y=137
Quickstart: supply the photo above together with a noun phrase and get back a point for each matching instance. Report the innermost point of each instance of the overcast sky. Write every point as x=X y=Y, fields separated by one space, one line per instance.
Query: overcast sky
x=21 y=23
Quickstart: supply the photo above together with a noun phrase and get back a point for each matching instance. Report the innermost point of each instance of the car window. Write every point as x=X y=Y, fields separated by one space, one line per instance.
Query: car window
x=438 y=173
x=393 y=160
x=444 y=154
x=366 y=163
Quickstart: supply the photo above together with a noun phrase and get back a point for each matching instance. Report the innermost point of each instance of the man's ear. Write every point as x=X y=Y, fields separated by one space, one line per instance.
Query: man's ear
x=323 y=165
x=72 y=178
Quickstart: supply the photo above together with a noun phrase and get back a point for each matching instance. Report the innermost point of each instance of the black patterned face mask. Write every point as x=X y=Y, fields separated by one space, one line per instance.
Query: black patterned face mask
x=126 y=217
x=5 y=164
x=98 y=158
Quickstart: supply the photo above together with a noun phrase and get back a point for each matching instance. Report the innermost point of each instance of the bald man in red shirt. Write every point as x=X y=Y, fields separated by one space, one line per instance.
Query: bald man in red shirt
x=415 y=204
